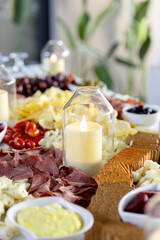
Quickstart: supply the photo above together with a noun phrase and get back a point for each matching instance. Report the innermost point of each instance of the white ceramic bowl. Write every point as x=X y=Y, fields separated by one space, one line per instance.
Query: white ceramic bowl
x=141 y=119
x=2 y=134
x=86 y=216
x=135 y=218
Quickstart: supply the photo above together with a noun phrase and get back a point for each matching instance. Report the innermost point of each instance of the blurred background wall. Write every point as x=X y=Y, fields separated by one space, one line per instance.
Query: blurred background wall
x=15 y=37
x=32 y=34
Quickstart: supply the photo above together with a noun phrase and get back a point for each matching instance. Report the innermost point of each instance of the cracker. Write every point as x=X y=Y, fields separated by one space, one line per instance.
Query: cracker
x=148 y=141
x=104 y=204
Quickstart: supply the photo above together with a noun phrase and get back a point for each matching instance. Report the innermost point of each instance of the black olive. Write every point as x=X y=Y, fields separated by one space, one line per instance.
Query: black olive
x=141 y=110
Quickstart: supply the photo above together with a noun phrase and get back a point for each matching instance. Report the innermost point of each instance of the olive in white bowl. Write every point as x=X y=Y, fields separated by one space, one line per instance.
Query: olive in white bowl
x=85 y=216
x=3 y=128
x=146 y=115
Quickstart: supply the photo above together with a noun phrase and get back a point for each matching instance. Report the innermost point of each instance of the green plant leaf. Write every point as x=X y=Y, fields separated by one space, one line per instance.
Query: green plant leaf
x=20 y=10
x=91 y=51
x=144 y=48
x=131 y=37
x=103 y=74
x=125 y=62
x=112 y=49
x=142 y=30
x=92 y=26
x=69 y=36
x=82 y=24
x=141 y=10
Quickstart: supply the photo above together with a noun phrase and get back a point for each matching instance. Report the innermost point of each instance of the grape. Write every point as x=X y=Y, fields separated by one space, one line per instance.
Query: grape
x=28 y=86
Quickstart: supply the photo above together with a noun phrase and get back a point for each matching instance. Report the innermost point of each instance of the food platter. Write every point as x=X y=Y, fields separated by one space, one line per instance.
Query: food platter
x=45 y=109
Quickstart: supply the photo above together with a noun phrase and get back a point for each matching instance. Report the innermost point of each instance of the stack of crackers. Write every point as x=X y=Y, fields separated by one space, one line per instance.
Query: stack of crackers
x=114 y=181
x=148 y=141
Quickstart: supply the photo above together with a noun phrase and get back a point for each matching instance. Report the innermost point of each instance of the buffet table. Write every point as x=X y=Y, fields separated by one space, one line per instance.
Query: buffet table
x=37 y=163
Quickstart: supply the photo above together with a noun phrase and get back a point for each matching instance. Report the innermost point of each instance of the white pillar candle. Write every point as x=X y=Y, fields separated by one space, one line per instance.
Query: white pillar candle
x=4 y=106
x=53 y=65
x=83 y=146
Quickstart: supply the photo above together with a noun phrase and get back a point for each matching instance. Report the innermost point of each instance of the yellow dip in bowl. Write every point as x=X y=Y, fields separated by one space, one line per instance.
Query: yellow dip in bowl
x=52 y=220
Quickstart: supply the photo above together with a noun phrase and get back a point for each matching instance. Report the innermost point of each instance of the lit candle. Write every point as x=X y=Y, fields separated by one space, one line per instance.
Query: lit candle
x=53 y=65
x=4 y=107
x=83 y=146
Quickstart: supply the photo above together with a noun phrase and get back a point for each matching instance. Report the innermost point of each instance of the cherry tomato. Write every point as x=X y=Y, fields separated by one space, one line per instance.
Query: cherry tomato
x=33 y=132
x=16 y=134
x=9 y=132
x=7 y=138
x=19 y=143
x=11 y=143
x=18 y=130
x=21 y=124
x=29 y=126
x=29 y=143
x=9 y=128
x=37 y=139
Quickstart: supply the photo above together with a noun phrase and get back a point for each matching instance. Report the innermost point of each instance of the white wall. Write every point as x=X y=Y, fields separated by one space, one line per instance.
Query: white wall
x=18 y=38
x=113 y=29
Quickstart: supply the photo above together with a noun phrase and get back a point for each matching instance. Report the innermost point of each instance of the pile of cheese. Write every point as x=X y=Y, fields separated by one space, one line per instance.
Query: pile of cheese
x=11 y=192
x=149 y=173
x=45 y=108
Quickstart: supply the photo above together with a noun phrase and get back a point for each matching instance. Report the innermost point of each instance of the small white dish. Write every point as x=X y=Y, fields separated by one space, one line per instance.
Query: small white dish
x=135 y=218
x=141 y=119
x=2 y=134
x=86 y=216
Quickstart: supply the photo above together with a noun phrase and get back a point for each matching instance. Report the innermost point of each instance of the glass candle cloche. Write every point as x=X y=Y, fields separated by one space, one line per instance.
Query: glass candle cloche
x=87 y=118
x=7 y=95
x=55 y=57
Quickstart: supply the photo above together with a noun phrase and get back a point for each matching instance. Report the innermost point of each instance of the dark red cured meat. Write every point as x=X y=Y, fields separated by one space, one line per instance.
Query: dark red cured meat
x=48 y=152
x=58 y=154
x=32 y=160
x=16 y=160
x=58 y=157
x=77 y=175
x=21 y=172
x=46 y=175
x=49 y=194
x=5 y=169
x=48 y=164
x=69 y=195
x=30 y=151
x=53 y=183
x=6 y=158
x=37 y=181
x=37 y=171
x=43 y=188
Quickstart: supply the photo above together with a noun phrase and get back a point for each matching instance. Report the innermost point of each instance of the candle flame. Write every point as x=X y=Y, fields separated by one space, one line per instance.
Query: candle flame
x=91 y=109
x=83 y=125
x=53 y=57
